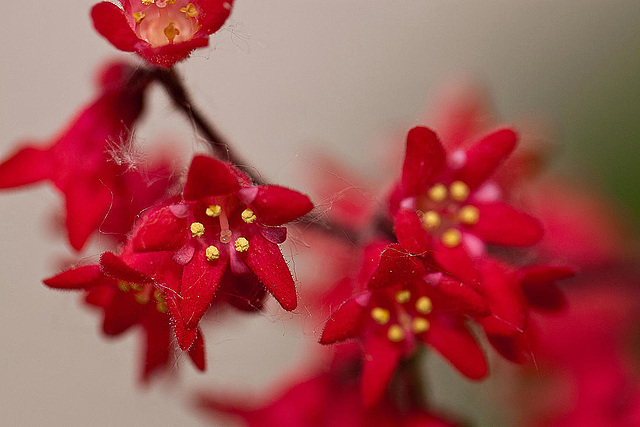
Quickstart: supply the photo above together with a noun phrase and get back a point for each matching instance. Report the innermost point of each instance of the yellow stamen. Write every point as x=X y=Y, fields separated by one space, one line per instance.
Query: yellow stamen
x=420 y=325
x=214 y=211
x=395 y=333
x=248 y=216
x=148 y=2
x=469 y=214
x=451 y=238
x=197 y=229
x=171 y=1
x=139 y=16
x=142 y=298
x=403 y=296
x=424 y=305
x=438 y=192
x=158 y=296
x=162 y=307
x=171 y=31
x=136 y=286
x=242 y=244
x=431 y=220
x=459 y=191
x=124 y=286
x=380 y=315
x=189 y=10
x=212 y=253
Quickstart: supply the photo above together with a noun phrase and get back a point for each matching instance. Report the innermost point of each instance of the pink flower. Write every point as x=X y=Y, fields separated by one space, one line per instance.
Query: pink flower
x=223 y=224
x=162 y=32
x=408 y=303
x=445 y=203
x=97 y=190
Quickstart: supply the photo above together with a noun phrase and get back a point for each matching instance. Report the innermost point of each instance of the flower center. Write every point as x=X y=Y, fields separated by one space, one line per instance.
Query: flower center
x=443 y=211
x=163 y=22
x=405 y=321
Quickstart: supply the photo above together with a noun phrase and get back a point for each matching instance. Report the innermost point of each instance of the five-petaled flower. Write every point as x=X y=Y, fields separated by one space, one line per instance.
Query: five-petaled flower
x=163 y=32
x=224 y=223
x=408 y=302
x=445 y=203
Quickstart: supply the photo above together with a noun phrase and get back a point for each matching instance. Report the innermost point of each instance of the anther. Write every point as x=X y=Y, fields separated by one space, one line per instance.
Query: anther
x=214 y=211
x=451 y=238
x=424 y=305
x=438 y=192
x=431 y=220
x=395 y=333
x=380 y=315
x=212 y=253
x=158 y=296
x=459 y=191
x=420 y=325
x=124 y=286
x=189 y=10
x=171 y=31
x=242 y=244
x=403 y=296
x=142 y=298
x=162 y=307
x=248 y=216
x=148 y=2
x=139 y=16
x=197 y=229
x=469 y=214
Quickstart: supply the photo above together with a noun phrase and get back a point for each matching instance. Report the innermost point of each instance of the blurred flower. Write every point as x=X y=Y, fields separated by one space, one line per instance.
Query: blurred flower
x=162 y=32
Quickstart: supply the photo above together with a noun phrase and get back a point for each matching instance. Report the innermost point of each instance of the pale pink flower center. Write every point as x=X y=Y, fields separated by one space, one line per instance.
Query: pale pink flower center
x=163 y=22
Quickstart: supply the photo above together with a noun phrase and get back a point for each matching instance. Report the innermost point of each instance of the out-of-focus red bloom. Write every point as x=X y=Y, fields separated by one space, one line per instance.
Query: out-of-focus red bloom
x=223 y=224
x=446 y=204
x=163 y=32
x=99 y=193
x=132 y=299
x=330 y=398
x=406 y=303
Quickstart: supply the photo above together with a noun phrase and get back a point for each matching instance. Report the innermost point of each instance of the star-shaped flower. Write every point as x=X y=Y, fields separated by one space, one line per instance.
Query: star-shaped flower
x=224 y=223
x=162 y=32
x=445 y=203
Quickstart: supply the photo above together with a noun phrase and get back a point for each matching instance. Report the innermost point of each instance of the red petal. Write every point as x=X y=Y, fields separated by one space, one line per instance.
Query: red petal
x=463 y=297
x=396 y=267
x=212 y=14
x=514 y=348
x=275 y=205
x=110 y=22
x=200 y=280
x=540 y=290
x=87 y=204
x=160 y=231
x=197 y=352
x=501 y=224
x=265 y=260
x=166 y=56
x=502 y=290
x=423 y=159
x=380 y=361
x=27 y=166
x=113 y=266
x=209 y=177
x=535 y=274
x=459 y=347
x=410 y=233
x=122 y=313
x=157 y=345
x=457 y=262
x=346 y=322
x=76 y=278
x=485 y=156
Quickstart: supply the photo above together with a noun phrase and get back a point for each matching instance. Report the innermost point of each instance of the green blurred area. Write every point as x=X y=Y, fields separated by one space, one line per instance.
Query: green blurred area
x=602 y=127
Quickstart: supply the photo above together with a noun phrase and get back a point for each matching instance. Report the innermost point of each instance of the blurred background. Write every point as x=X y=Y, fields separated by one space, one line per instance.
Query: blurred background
x=283 y=79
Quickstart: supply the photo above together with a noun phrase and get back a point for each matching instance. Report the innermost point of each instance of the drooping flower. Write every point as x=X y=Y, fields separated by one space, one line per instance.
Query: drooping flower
x=223 y=224
x=162 y=32
x=133 y=299
x=446 y=203
x=96 y=189
x=406 y=303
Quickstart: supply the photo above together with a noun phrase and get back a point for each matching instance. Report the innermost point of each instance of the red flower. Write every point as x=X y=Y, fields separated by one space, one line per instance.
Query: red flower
x=163 y=32
x=406 y=302
x=447 y=205
x=78 y=162
x=223 y=224
x=129 y=300
x=329 y=398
